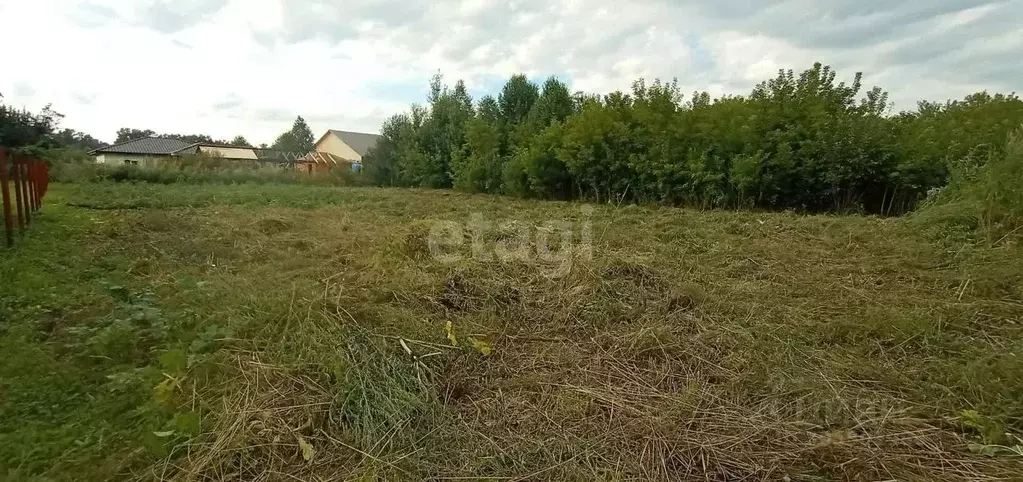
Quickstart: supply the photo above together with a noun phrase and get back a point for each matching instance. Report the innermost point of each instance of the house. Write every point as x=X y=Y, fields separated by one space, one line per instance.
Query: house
x=149 y=151
x=337 y=148
x=222 y=151
x=139 y=152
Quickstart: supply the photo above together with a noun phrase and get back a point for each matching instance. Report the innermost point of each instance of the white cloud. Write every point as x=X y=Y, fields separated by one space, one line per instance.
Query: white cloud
x=227 y=67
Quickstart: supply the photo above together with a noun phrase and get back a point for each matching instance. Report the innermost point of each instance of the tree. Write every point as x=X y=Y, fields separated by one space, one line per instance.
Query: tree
x=477 y=168
x=489 y=110
x=442 y=132
x=656 y=115
x=76 y=139
x=517 y=99
x=398 y=159
x=801 y=141
x=297 y=139
x=545 y=174
x=21 y=128
x=126 y=134
x=240 y=141
x=596 y=148
x=193 y=138
x=554 y=104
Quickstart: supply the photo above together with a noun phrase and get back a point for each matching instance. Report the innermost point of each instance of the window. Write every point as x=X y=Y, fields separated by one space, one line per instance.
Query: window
x=130 y=162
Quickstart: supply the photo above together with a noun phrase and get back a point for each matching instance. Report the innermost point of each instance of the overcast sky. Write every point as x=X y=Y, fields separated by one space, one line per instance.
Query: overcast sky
x=228 y=67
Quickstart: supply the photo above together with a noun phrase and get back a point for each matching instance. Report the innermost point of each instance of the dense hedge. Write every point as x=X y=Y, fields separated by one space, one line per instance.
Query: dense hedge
x=796 y=141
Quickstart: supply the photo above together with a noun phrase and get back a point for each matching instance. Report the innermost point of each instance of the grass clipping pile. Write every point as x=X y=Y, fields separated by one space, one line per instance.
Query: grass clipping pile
x=727 y=348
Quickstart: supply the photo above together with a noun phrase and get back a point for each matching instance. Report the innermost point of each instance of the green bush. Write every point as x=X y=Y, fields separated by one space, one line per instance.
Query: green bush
x=802 y=141
x=984 y=194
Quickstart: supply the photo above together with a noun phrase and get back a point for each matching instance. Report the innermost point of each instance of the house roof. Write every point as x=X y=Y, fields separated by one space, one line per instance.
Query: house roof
x=360 y=142
x=145 y=145
x=194 y=146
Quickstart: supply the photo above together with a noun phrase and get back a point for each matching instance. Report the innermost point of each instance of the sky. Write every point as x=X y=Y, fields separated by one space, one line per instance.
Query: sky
x=248 y=67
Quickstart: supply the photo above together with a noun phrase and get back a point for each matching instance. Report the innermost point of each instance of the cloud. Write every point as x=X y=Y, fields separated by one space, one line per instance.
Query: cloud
x=227 y=67
x=83 y=98
x=229 y=103
x=24 y=90
x=91 y=15
x=168 y=16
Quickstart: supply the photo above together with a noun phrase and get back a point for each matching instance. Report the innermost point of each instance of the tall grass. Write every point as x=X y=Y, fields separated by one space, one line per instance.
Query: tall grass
x=198 y=170
x=985 y=197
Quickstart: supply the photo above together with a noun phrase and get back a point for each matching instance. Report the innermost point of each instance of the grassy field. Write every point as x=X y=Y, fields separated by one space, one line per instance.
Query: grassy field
x=276 y=332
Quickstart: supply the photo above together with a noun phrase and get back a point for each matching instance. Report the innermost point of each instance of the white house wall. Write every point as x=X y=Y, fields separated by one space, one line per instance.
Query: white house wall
x=229 y=152
x=115 y=159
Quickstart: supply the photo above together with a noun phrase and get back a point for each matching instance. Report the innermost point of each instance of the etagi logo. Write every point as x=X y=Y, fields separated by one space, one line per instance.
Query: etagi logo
x=554 y=244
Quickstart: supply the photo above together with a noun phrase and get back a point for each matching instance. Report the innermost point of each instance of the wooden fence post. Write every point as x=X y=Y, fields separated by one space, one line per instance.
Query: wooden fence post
x=8 y=216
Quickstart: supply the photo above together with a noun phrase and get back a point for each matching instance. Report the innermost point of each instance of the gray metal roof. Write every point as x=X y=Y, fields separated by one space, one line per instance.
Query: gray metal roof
x=146 y=145
x=360 y=142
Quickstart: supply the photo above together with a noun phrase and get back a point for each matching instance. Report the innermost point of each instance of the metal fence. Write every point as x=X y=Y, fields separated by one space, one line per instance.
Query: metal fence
x=23 y=183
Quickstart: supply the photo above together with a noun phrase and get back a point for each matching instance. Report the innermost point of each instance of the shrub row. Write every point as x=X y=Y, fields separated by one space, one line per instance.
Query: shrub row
x=802 y=142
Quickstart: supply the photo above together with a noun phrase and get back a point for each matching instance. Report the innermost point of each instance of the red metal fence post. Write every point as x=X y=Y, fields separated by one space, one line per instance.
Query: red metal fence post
x=30 y=185
x=30 y=195
x=40 y=182
x=8 y=216
x=36 y=184
x=46 y=179
x=19 y=193
x=26 y=190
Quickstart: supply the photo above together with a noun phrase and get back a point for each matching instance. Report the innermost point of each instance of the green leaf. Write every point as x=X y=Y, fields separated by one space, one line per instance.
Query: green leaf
x=174 y=361
x=155 y=443
x=187 y=423
x=164 y=390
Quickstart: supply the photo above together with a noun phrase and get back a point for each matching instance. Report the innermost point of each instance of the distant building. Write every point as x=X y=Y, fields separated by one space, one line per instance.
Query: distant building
x=219 y=150
x=337 y=148
x=147 y=151
x=150 y=151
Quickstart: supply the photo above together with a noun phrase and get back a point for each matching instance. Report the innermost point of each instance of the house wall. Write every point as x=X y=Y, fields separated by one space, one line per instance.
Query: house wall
x=312 y=167
x=334 y=145
x=228 y=152
x=119 y=159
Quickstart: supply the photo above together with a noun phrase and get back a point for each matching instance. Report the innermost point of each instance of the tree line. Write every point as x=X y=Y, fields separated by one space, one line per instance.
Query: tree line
x=21 y=128
x=299 y=138
x=39 y=132
x=797 y=141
